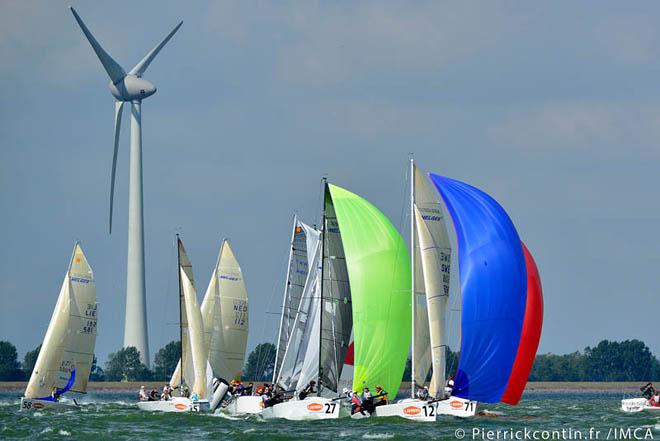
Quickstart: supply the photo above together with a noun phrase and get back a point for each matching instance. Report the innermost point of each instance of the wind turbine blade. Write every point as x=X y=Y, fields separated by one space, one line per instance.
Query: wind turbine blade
x=142 y=66
x=114 y=70
x=119 y=105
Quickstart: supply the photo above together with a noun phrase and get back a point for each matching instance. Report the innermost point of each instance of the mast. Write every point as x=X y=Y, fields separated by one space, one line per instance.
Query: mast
x=286 y=289
x=323 y=229
x=178 y=267
x=412 y=266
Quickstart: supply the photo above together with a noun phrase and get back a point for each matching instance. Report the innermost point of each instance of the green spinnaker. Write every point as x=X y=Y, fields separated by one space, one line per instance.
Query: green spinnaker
x=378 y=265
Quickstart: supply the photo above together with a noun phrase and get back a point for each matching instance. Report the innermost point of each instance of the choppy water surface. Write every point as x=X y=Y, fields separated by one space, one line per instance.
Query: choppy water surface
x=110 y=416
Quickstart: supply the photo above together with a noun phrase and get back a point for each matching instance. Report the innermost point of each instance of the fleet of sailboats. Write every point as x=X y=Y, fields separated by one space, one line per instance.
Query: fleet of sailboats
x=350 y=283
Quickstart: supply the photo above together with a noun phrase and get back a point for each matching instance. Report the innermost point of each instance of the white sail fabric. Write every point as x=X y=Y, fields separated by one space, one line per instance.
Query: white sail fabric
x=299 y=350
x=435 y=252
x=188 y=375
x=298 y=269
x=196 y=337
x=422 y=347
x=225 y=316
x=71 y=336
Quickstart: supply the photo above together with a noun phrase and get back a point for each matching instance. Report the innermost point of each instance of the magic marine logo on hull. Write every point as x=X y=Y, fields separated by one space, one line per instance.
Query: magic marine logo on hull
x=315 y=407
x=412 y=410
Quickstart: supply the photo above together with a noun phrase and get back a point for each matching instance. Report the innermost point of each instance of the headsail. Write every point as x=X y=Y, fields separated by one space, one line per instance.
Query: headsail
x=434 y=248
x=193 y=351
x=336 y=321
x=67 y=352
x=298 y=269
x=225 y=316
x=378 y=265
x=300 y=355
x=493 y=282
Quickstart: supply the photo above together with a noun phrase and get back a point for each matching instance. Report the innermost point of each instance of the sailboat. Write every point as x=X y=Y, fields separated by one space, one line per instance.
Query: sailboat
x=501 y=300
x=67 y=351
x=193 y=371
x=352 y=269
x=225 y=317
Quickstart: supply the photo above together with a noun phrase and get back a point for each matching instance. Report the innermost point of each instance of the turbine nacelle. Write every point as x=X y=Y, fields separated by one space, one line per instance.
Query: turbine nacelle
x=132 y=88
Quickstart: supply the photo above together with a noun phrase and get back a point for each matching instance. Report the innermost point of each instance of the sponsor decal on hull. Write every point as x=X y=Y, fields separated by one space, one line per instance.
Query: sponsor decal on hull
x=38 y=405
x=412 y=410
x=455 y=404
x=315 y=407
x=180 y=406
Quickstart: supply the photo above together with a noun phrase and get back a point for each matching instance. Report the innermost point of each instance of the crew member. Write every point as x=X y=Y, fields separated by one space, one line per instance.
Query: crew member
x=54 y=394
x=647 y=391
x=381 y=396
x=449 y=387
x=367 y=400
x=423 y=393
x=356 y=404
x=309 y=389
x=142 y=395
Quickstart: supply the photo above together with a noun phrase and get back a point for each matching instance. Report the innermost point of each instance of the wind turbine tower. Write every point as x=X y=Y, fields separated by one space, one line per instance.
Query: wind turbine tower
x=130 y=88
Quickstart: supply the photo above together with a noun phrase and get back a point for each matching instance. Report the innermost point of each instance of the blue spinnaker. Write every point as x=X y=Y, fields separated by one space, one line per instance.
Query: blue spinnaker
x=60 y=392
x=493 y=281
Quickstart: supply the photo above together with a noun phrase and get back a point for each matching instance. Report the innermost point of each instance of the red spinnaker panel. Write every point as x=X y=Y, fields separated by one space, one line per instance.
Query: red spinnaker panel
x=349 y=355
x=531 y=334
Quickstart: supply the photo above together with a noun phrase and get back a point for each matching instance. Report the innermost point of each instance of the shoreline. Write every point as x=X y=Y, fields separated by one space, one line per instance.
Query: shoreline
x=550 y=386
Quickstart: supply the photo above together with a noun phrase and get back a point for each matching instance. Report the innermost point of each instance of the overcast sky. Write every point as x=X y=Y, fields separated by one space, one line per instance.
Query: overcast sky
x=554 y=109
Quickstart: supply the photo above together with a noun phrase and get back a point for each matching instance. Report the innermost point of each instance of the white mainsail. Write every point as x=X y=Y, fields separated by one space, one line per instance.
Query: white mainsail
x=300 y=256
x=71 y=336
x=435 y=256
x=300 y=334
x=194 y=354
x=225 y=316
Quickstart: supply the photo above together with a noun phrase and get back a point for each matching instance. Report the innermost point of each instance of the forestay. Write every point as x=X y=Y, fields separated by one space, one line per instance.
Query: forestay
x=67 y=352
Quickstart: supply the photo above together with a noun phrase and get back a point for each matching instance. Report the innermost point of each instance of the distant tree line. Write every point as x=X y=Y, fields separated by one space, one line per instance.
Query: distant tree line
x=629 y=360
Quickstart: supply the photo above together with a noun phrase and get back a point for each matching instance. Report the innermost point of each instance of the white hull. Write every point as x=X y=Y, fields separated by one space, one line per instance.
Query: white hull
x=245 y=405
x=176 y=404
x=311 y=408
x=411 y=409
x=419 y=410
x=29 y=404
x=632 y=405
x=458 y=407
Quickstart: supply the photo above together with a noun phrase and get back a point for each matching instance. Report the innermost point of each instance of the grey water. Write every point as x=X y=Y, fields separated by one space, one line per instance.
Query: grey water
x=549 y=415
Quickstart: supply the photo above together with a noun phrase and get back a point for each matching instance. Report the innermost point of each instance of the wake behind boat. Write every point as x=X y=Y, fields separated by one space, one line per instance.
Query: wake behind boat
x=67 y=352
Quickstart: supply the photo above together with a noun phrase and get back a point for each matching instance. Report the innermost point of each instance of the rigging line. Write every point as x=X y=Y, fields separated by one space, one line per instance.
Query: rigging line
x=168 y=286
x=261 y=360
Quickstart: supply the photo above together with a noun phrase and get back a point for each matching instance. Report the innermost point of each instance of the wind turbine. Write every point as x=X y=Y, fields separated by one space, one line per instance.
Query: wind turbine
x=130 y=87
